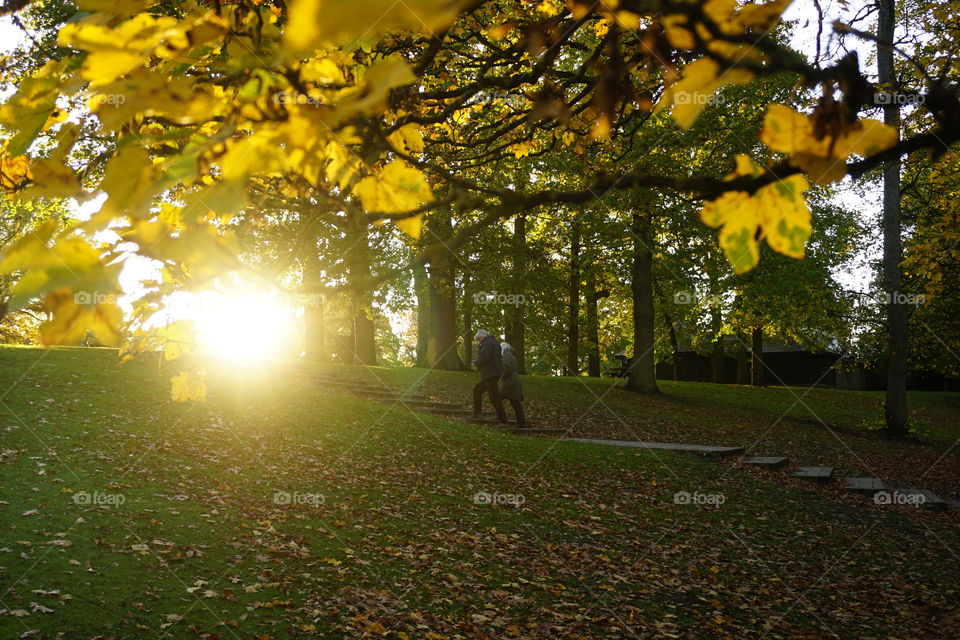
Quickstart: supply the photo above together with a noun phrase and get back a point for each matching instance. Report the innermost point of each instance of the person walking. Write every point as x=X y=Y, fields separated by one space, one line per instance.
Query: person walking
x=511 y=389
x=489 y=362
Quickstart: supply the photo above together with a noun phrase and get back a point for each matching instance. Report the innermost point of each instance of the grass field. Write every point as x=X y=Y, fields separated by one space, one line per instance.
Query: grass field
x=281 y=509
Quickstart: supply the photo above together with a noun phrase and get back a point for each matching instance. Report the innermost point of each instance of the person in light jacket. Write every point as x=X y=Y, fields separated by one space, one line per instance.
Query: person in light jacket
x=490 y=364
x=511 y=389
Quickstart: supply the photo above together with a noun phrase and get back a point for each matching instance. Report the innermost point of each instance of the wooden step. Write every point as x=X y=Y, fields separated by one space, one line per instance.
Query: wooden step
x=924 y=498
x=530 y=431
x=703 y=450
x=384 y=394
x=482 y=420
x=866 y=485
x=767 y=462
x=418 y=404
x=819 y=475
x=462 y=413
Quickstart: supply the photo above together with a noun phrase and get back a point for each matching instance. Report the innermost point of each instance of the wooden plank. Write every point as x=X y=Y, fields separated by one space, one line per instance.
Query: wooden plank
x=704 y=450
x=820 y=475
x=866 y=485
x=531 y=430
x=767 y=462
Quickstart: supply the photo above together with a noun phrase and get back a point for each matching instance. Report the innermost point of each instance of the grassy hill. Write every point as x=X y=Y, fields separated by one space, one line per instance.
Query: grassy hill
x=283 y=509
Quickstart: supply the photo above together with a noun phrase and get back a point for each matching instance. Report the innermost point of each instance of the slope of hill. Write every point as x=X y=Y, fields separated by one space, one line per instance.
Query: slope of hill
x=282 y=509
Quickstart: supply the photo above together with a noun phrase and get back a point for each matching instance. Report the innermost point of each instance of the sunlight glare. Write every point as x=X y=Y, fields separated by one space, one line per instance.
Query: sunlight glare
x=245 y=328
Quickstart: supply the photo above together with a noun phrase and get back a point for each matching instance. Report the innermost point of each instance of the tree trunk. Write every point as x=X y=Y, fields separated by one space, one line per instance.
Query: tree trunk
x=467 y=334
x=743 y=366
x=593 y=326
x=756 y=358
x=421 y=289
x=643 y=376
x=314 y=338
x=674 y=344
x=442 y=346
x=671 y=330
x=361 y=298
x=716 y=324
x=895 y=406
x=516 y=328
x=573 y=316
x=716 y=360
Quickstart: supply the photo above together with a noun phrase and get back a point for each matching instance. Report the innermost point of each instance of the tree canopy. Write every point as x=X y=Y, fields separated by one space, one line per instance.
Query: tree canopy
x=316 y=128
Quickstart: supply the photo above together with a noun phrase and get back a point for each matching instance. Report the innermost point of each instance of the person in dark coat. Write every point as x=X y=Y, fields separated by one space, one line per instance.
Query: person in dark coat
x=511 y=389
x=490 y=364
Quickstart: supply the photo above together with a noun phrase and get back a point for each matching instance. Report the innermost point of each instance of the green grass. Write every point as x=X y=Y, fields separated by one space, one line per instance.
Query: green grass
x=399 y=547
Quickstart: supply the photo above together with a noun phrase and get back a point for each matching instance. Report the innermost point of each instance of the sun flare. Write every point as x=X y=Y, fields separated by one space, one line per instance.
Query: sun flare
x=246 y=328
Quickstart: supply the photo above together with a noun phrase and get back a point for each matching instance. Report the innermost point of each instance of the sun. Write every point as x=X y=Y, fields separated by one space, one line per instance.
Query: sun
x=246 y=328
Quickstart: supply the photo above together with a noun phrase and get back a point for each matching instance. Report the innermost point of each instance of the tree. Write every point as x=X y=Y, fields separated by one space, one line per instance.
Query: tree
x=895 y=405
x=220 y=102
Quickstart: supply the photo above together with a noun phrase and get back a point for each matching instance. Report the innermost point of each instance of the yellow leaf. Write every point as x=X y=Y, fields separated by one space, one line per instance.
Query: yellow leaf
x=785 y=215
x=701 y=80
x=407 y=139
x=379 y=78
x=719 y=11
x=52 y=179
x=410 y=226
x=322 y=71
x=777 y=211
x=823 y=159
x=500 y=32
x=866 y=138
x=71 y=321
x=310 y=22
x=738 y=216
x=147 y=93
x=547 y=8
x=114 y=51
x=303 y=24
x=27 y=112
x=523 y=149
x=680 y=37
x=129 y=180
x=628 y=20
x=761 y=16
x=790 y=132
x=256 y=154
x=398 y=188
x=342 y=165
x=13 y=171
